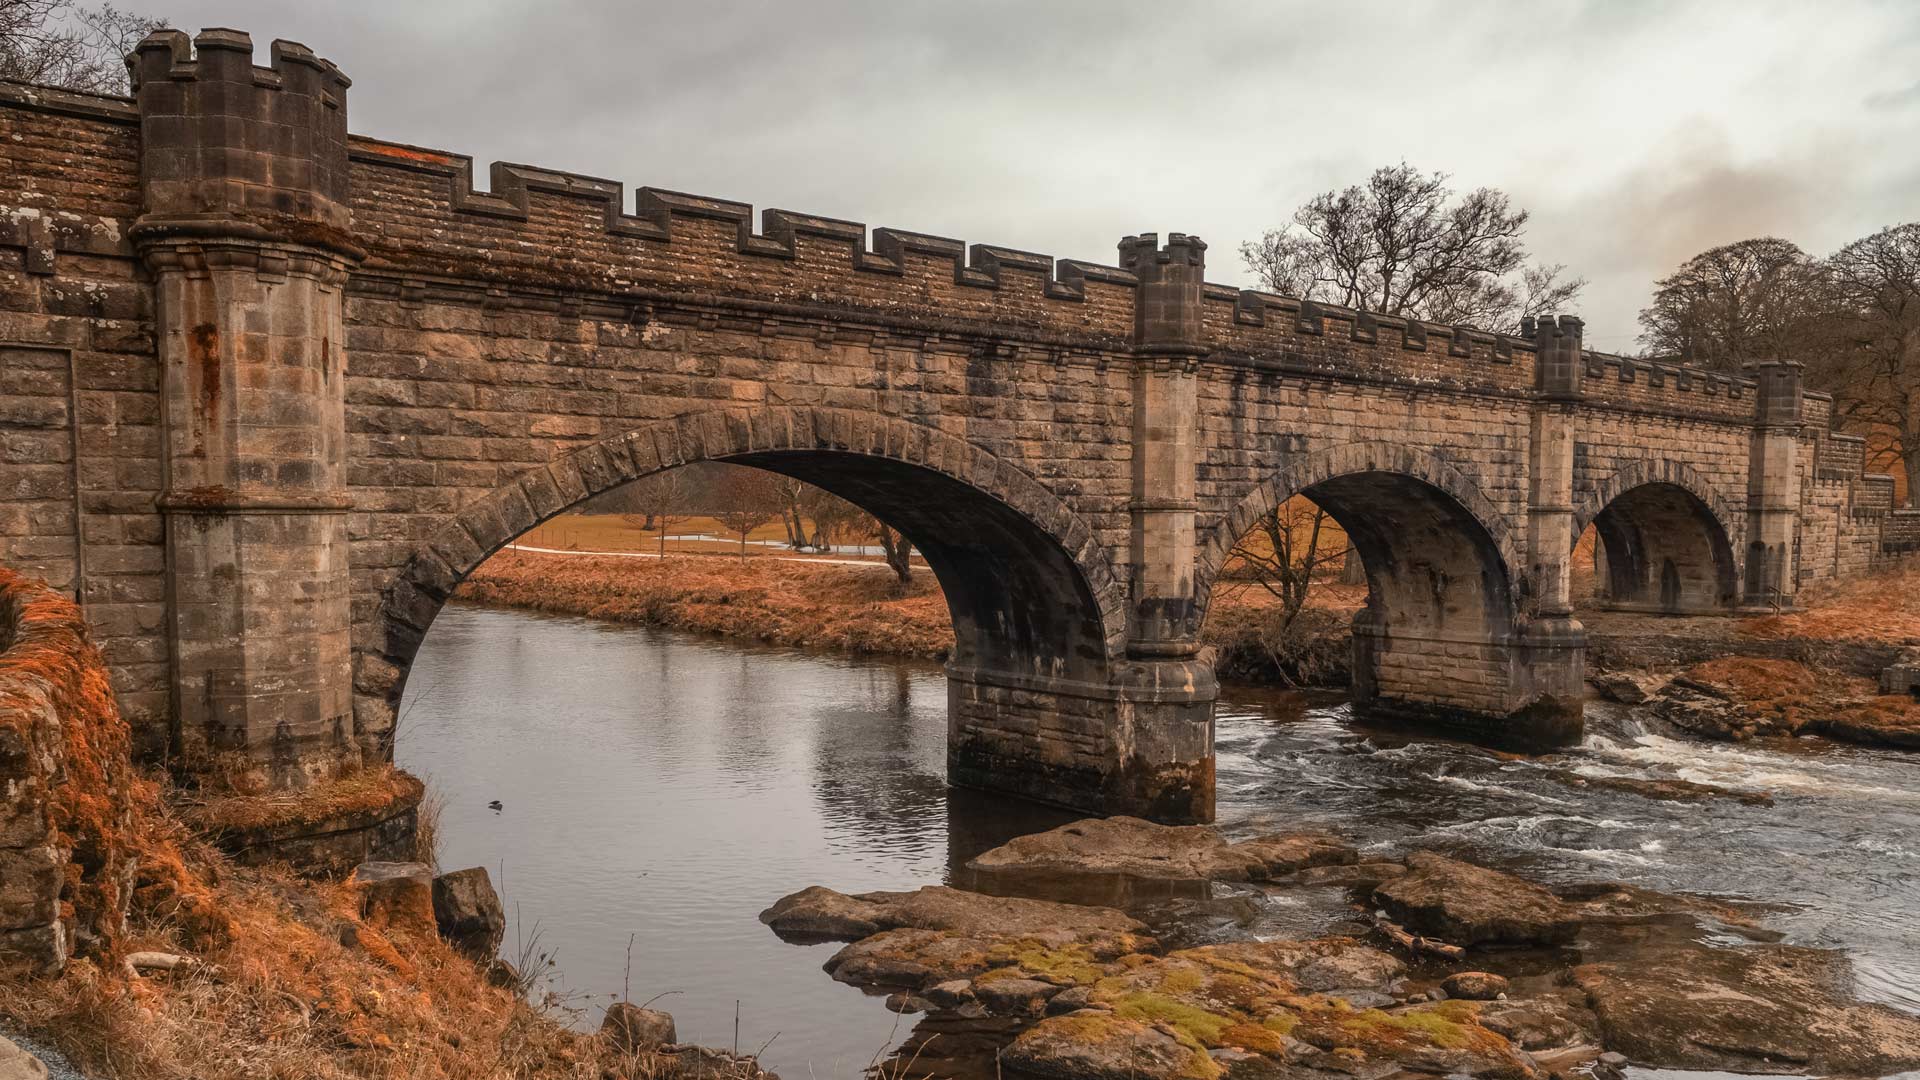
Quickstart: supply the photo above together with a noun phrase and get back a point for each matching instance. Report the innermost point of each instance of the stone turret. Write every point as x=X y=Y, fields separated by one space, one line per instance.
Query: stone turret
x=245 y=228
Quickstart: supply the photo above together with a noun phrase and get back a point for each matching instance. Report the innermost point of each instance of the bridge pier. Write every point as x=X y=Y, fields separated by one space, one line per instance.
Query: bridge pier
x=1773 y=486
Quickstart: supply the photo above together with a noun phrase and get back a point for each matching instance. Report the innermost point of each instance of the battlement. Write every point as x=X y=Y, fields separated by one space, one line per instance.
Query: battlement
x=227 y=142
x=218 y=54
x=680 y=239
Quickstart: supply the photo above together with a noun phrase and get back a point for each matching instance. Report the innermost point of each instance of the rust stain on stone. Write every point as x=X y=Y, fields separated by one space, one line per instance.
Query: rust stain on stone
x=203 y=359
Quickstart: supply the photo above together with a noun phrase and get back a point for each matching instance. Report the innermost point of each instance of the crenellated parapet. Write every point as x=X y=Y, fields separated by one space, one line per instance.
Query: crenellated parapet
x=228 y=145
x=680 y=239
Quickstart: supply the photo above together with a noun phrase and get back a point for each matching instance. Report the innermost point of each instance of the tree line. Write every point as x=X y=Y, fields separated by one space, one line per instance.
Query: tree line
x=742 y=500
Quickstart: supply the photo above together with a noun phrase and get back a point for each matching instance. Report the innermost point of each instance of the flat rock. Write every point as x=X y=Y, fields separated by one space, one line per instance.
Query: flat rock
x=1754 y=1009
x=1132 y=847
x=913 y=958
x=822 y=913
x=1627 y=687
x=1544 y=1023
x=1472 y=905
x=1014 y=996
x=1263 y=1007
x=1614 y=901
x=1094 y=1045
x=1892 y=721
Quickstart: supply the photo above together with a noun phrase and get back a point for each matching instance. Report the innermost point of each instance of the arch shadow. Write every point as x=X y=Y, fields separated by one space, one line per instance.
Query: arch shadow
x=1437 y=639
x=1668 y=539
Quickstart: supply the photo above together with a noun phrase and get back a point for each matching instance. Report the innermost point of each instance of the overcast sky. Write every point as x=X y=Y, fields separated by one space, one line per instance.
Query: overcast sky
x=1636 y=133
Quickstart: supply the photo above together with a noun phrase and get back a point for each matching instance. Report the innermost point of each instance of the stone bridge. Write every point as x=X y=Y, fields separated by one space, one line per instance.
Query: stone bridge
x=270 y=390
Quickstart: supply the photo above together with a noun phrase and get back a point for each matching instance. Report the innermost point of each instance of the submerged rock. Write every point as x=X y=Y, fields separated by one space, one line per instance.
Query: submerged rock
x=1758 y=1008
x=822 y=913
x=1474 y=985
x=1471 y=905
x=1670 y=790
x=1136 y=848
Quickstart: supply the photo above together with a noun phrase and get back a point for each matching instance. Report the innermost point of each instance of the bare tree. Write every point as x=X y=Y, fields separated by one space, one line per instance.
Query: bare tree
x=658 y=501
x=832 y=516
x=66 y=44
x=1402 y=245
x=898 y=550
x=748 y=498
x=1874 y=372
x=1751 y=300
x=1287 y=550
x=792 y=494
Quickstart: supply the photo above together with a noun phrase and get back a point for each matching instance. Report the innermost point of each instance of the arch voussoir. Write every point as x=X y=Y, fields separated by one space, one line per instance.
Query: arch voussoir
x=473 y=532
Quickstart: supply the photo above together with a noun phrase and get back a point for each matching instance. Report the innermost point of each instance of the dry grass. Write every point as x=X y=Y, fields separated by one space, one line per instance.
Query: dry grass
x=1792 y=697
x=1883 y=606
x=362 y=791
x=289 y=981
x=851 y=609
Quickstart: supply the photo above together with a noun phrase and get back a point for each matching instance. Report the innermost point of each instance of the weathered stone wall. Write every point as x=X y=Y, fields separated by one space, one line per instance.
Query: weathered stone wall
x=80 y=462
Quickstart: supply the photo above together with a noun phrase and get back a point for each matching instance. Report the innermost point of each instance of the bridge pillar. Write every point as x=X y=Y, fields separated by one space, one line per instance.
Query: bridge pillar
x=1164 y=691
x=245 y=231
x=1773 y=486
x=1549 y=655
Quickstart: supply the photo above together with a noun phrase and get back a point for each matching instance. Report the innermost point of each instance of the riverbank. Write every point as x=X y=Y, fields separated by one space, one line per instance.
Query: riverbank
x=862 y=609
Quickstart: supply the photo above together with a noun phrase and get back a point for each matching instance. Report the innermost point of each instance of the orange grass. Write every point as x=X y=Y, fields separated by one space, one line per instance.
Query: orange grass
x=289 y=980
x=1882 y=606
x=848 y=608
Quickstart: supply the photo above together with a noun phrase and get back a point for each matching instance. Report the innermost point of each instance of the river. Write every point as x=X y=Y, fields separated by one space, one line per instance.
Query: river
x=643 y=793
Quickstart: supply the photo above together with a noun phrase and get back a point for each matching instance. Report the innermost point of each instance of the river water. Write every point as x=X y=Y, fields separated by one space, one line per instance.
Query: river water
x=643 y=793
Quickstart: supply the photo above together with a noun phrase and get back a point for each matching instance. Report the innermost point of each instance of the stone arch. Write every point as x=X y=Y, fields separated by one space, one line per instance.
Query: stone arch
x=1437 y=640
x=1027 y=580
x=1354 y=460
x=1669 y=537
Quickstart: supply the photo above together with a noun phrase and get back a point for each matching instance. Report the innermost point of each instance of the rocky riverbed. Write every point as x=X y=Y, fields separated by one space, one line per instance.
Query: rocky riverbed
x=1444 y=967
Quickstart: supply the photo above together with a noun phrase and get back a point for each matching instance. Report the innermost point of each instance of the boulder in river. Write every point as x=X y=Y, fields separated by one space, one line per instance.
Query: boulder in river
x=468 y=912
x=1135 y=848
x=1471 y=905
x=914 y=959
x=823 y=914
x=1665 y=790
x=1753 y=1009
x=1627 y=687
x=1474 y=985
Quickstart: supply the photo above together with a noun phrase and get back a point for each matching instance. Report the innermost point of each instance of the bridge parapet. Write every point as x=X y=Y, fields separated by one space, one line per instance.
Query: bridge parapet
x=421 y=216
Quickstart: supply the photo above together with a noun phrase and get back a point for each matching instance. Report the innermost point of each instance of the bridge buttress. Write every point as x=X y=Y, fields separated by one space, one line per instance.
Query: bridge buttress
x=244 y=228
